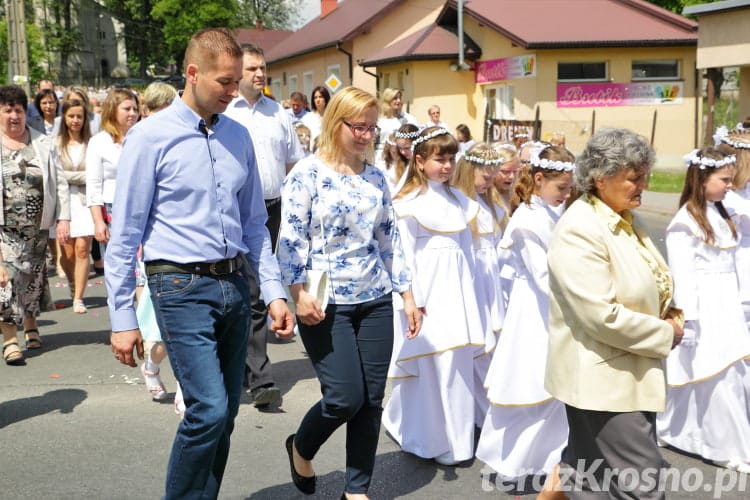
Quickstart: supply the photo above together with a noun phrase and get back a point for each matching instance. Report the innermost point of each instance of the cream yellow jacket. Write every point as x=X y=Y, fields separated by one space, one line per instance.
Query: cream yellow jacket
x=606 y=339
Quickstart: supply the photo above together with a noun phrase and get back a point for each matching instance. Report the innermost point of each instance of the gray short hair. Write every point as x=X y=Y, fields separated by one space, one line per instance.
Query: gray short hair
x=609 y=151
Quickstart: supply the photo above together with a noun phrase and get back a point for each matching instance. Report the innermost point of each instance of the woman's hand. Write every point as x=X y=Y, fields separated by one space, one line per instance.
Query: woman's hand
x=101 y=232
x=62 y=232
x=4 y=276
x=307 y=306
x=413 y=315
x=678 y=331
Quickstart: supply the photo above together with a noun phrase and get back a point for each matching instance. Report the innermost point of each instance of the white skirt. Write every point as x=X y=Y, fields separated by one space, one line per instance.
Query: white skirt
x=433 y=413
x=520 y=441
x=710 y=418
x=81 y=221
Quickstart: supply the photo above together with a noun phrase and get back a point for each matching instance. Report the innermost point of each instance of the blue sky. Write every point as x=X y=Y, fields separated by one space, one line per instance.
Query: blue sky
x=310 y=9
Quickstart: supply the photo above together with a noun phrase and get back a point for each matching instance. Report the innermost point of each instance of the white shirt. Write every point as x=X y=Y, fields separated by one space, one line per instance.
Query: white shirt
x=102 y=155
x=441 y=124
x=274 y=139
x=314 y=122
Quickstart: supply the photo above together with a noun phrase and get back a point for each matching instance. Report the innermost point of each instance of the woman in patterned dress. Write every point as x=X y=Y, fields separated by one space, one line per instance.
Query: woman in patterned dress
x=337 y=217
x=34 y=197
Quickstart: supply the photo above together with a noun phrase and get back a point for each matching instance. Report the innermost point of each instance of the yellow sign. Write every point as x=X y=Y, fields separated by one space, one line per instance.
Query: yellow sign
x=333 y=82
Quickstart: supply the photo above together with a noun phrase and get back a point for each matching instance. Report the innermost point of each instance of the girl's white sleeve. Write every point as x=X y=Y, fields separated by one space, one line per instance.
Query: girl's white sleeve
x=681 y=248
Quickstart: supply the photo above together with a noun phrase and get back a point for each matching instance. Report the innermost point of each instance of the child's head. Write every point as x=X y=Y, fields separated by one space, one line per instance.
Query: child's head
x=403 y=138
x=549 y=176
x=708 y=179
x=709 y=176
x=737 y=143
x=476 y=169
x=507 y=173
x=303 y=134
x=433 y=159
x=463 y=134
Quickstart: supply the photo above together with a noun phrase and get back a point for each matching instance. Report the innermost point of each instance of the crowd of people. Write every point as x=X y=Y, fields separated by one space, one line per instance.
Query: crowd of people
x=505 y=289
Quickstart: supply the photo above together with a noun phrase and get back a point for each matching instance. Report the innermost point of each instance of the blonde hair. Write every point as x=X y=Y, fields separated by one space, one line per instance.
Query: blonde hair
x=742 y=168
x=505 y=150
x=389 y=95
x=157 y=95
x=345 y=104
x=440 y=144
x=465 y=176
x=109 y=111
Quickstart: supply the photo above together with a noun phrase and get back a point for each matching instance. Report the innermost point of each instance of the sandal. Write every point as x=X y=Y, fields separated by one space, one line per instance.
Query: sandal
x=154 y=385
x=33 y=341
x=15 y=356
x=79 y=307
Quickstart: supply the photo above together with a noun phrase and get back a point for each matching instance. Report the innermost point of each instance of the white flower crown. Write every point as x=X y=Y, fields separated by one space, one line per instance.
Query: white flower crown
x=406 y=135
x=560 y=166
x=422 y=138
x=692 y=158
x=509 y=147
x=722 y=135
x=487 y=162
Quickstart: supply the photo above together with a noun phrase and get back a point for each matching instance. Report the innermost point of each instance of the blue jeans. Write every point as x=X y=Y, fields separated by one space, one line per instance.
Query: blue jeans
x=204 y=322
x=350 y=351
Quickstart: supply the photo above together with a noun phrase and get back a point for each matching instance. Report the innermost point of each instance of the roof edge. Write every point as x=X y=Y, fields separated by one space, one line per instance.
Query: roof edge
x=421 y=57
x=715 y=7
x=304 y=52
x=613 y=44
x=453 y=5
x=662 y=14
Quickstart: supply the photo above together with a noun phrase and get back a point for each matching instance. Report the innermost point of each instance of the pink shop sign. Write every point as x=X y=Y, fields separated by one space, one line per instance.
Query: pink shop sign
x=594 y=95
x=507 y=68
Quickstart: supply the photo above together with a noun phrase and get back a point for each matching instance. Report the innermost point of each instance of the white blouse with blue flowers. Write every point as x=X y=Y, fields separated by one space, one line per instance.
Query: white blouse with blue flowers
x=359 y=244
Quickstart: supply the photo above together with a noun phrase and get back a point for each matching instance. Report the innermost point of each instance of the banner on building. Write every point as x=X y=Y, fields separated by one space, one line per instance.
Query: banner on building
x=506 y=130
x=591 y=95
x=507 y=68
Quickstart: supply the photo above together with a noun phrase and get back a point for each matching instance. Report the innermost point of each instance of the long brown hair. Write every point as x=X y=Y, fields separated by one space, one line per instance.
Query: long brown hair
x=64 y=136
x=694 y=197
x=441 y=144
x=525 y=185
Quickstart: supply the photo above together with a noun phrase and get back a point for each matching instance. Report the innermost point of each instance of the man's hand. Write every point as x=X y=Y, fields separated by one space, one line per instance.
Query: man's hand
x=123 y=343
x=282 y=319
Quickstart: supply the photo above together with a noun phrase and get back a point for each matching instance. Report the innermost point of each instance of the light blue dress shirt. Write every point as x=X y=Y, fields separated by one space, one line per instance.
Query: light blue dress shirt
x=189 y=195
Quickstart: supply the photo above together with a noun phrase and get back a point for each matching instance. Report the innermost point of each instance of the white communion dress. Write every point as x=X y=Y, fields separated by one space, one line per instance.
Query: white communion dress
x=708 y=393
x=431 y=409
x=525 y=429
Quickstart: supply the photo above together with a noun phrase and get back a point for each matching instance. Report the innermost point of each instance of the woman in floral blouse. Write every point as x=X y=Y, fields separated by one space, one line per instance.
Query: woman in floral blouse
x=337 y=217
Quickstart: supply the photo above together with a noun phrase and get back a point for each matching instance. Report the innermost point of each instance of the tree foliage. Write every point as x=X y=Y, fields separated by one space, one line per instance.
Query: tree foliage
x=678 y=5
x=143 y=35
x=35 y=51
x=273 y=14
x=182 y=18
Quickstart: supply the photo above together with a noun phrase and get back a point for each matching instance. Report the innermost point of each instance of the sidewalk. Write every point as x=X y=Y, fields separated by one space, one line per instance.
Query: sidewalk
x=663 y=203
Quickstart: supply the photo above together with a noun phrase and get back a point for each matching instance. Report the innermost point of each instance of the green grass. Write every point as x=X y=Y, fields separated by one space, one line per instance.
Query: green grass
x=664 y=181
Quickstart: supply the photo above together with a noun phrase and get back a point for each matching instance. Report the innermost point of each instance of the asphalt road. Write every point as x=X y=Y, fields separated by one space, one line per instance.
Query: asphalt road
x=75 y=424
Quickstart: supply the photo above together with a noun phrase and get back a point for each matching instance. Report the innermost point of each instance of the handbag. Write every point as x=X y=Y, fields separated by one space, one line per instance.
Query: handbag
x=318 y=281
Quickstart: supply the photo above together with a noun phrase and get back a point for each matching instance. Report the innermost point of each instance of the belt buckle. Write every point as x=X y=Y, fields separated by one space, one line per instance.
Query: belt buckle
x=212 y=269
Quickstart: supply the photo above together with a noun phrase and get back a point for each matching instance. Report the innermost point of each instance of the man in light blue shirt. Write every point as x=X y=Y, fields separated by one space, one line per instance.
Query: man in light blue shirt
x=188 y=191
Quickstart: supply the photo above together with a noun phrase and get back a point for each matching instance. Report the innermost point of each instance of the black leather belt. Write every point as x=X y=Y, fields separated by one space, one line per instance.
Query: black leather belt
x=219 y=268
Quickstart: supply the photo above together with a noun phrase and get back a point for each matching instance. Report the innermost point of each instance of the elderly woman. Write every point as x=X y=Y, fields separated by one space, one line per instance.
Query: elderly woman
x=34 y=198
x=609 y=332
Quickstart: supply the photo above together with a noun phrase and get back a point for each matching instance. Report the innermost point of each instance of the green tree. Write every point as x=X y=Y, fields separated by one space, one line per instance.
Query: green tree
x=272 y=14
x=144 y=37
x=678 y=5
x=35 y=48
x=182 y=18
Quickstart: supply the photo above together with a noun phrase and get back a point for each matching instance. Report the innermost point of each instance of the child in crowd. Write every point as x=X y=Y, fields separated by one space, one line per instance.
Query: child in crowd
x=397 y=155
x=526 y=430
x=707 y=373
x=737 y=202
x=475 y=173
x=431 y=410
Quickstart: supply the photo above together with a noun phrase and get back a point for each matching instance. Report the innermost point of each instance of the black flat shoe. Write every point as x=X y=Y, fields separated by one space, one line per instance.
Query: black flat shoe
x=305 y=484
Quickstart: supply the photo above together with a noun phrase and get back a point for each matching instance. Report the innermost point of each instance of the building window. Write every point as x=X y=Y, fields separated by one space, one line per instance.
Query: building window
x=276 y=88
x=581 y=71
x=307 y=84
x=658 y=69
x=292 y=84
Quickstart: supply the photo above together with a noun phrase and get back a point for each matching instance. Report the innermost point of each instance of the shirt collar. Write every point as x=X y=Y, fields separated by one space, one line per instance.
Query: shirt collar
x=191 y=117
x=609 y=216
